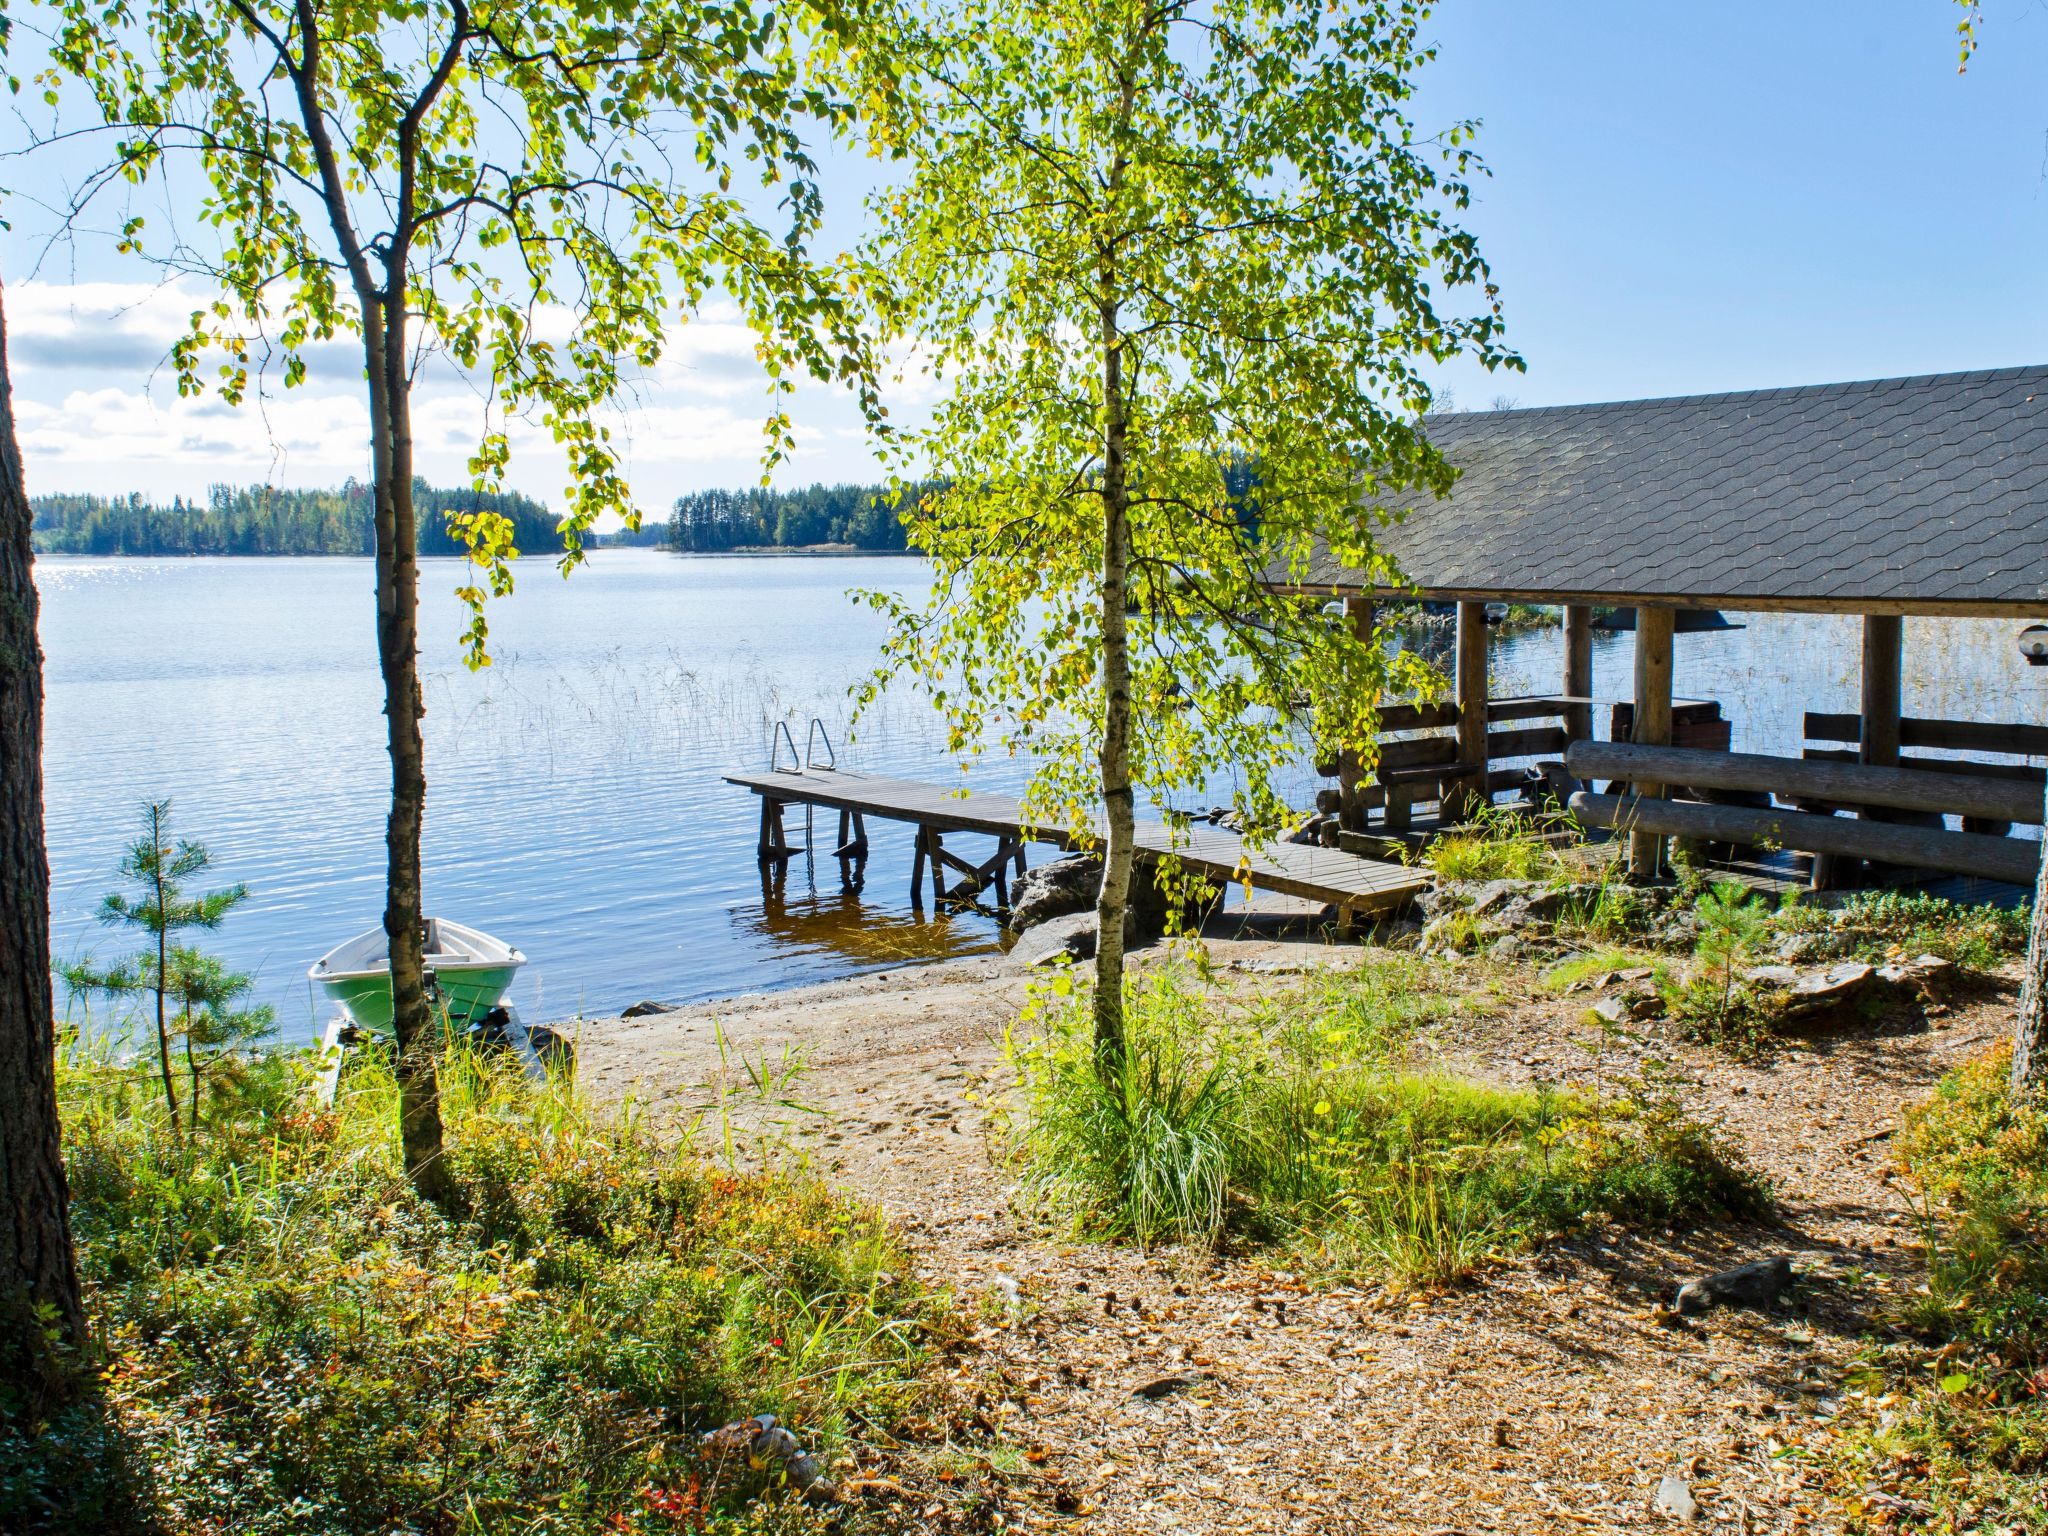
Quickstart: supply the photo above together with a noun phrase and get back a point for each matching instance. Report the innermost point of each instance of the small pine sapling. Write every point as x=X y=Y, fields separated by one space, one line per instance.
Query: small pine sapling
x=160 y=869
x=212 y=1019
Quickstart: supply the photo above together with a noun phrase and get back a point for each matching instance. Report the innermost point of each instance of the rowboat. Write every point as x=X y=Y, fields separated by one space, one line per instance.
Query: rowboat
x=470 y=973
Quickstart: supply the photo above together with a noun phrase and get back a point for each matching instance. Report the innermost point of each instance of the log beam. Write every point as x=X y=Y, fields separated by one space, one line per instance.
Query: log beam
x=1351 y=808
x=1652 y=724
x=1964 y=853
x=1906 y=789
x=1578 y=670
x=1470 y=696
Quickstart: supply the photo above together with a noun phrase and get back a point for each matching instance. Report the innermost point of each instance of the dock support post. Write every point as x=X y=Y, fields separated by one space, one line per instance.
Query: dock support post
x=1351 y=809
x=774 y=845
x=917 y=868
x=1578 y=671
x=1462 y=799
x=1654 y=624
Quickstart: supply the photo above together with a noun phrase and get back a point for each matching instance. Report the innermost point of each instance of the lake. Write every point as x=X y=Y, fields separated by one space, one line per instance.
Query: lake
x=574 y=801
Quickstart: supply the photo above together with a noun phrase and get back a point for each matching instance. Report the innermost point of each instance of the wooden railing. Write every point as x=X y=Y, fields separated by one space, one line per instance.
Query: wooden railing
x=1989 y=798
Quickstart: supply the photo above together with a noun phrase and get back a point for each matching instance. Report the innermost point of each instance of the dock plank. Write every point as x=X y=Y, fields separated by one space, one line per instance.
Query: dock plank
x=1364 y=886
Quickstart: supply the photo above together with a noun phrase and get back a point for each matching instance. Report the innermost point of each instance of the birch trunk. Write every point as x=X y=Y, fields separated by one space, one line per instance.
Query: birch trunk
x=419 y=1095
x=1115 y=757
x=37 y=1267
x=2030 y=1030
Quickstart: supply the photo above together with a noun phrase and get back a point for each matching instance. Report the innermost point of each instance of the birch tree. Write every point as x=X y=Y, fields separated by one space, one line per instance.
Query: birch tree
x=1182 y=267
x=535 y=192
x=2030 y=1025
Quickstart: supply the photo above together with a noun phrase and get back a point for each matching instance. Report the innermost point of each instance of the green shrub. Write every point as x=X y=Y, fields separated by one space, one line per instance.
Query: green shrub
x=1885 y=925
x=1501 y=844
x=1292 y=1121
x=294 y=1342
x=1955 y=1418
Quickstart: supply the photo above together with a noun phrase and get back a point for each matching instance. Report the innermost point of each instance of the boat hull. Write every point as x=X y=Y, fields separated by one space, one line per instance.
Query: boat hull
x=467 y=993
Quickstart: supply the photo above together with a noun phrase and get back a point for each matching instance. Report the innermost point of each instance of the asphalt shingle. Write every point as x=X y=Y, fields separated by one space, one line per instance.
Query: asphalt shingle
x=1929 y=490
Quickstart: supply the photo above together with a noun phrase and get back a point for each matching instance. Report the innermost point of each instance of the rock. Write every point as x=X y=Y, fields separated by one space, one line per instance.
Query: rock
x=1795 y=947
x=1818 y=991
x=642 y=1009
x=1508 y=946
x=762 y=1441
x=1613 y=1010
x=1755 y=1284
x=1928 y=977
x=1165 y=1386
x=1056 y=889
x=1069 y=937
x=1674 y=1499
x=1548 y=906
x=1774 y=978
x=1492 y=894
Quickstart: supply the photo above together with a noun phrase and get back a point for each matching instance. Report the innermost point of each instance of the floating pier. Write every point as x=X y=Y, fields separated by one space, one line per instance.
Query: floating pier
x=1357 y=886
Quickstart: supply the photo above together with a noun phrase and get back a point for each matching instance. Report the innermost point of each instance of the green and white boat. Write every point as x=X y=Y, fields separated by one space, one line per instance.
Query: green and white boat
x=471 y=973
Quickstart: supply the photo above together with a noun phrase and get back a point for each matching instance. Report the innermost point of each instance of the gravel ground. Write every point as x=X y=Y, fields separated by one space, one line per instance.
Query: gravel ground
x=1553 y=1394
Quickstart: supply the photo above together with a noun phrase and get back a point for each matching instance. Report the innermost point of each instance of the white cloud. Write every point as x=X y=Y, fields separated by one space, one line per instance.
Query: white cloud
x=98 y=410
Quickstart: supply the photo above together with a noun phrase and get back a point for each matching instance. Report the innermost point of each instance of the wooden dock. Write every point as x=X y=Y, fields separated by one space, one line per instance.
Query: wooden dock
x=1357 y=886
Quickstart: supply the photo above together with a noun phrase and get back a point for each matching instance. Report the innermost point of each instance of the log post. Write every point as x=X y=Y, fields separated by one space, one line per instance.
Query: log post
x=1351 y=807
x=1884 y=647
x=1462 y=798
x=1578 y=671
x=1652 y=726
x=1878 y=732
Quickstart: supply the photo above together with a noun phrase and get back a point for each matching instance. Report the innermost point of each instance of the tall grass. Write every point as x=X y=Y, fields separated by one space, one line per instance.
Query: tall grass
x=292 y=1342
x=1293 y=1121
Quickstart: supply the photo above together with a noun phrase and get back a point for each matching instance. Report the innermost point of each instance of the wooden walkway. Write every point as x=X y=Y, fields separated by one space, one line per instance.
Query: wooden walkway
x=1357 y=886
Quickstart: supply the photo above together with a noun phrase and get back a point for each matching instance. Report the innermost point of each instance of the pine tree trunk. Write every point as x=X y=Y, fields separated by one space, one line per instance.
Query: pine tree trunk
x=419 y=1094
x=2030 y=1030
x=163 y=958
x=1113 y=902
x=38 y=1272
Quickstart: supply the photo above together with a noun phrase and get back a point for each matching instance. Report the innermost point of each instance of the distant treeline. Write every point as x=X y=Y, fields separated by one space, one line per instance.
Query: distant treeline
x=863 y=516
x=264 y=520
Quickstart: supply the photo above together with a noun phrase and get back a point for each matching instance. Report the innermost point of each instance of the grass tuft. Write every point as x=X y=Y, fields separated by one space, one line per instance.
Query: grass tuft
x=1292 y=1121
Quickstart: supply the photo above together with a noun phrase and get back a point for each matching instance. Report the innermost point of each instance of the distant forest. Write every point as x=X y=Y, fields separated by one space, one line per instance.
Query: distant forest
x=264 y=520
x=705 y=522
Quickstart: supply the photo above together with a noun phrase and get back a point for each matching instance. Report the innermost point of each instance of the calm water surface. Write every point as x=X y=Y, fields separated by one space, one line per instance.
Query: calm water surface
x=574 y=801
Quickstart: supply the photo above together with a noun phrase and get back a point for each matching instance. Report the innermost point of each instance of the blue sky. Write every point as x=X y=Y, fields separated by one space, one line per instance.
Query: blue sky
x=1685 y=198
x=1698 y=197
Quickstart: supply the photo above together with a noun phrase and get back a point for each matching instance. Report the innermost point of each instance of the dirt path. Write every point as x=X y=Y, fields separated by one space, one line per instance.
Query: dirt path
x=1550 y=1396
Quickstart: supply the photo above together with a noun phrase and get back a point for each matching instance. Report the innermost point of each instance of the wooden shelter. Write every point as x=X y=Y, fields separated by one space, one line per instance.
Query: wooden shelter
x=1919 y=496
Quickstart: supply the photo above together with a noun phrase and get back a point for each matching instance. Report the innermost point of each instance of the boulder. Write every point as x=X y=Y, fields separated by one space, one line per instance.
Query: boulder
x=1068 y=937
x=1755 y=1284
x=1058 y=889
x=1928 y=977
x=642 y=1009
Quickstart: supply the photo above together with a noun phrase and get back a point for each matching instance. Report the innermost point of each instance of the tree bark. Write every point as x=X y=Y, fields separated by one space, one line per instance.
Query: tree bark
x=2030 y=1029
x=1118 y=801
x=163 y=957
x=419 y=1093
x=39 y=1296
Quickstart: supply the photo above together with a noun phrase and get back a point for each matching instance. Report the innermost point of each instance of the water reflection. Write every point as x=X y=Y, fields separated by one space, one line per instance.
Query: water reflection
x=801 y=914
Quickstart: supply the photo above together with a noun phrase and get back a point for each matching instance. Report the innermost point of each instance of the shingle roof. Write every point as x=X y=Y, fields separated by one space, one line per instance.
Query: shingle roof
x=1927 y=493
